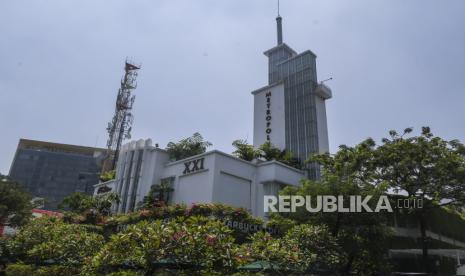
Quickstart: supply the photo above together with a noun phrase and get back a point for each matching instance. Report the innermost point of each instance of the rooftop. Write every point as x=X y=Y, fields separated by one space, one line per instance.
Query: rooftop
x=57 y=147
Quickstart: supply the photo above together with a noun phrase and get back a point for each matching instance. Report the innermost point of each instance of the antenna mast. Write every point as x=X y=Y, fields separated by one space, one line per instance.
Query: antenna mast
x=120 y=126
x=279 y=27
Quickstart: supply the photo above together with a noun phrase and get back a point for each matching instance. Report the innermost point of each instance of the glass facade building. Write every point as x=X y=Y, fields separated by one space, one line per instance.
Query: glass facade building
x=53 y=171
x=304 y=108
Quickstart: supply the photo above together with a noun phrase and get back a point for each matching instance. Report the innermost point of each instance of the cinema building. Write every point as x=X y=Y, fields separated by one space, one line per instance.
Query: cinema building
x=289 y=112
x=213 y=176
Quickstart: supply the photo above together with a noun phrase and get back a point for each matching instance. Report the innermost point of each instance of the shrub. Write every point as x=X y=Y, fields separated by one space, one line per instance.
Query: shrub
x=195 y=243
x=19 y=269
x=50 y=240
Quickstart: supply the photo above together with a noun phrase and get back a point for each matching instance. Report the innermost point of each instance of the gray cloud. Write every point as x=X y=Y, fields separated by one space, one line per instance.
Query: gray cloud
x=395 y=64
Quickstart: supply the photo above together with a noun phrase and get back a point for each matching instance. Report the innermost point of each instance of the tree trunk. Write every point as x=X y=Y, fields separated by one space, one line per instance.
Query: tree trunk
x=348 y=266
x=337 y=224
x=424 y=242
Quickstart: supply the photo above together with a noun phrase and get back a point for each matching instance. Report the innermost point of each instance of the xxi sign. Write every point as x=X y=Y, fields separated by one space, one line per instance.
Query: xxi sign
x=193 y=166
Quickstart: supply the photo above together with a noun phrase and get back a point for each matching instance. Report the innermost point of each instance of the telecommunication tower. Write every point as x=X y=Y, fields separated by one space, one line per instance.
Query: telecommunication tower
x=120 y=126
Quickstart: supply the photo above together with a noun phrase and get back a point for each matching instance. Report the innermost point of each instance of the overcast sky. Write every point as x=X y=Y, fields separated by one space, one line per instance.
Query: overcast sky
x=395 y=64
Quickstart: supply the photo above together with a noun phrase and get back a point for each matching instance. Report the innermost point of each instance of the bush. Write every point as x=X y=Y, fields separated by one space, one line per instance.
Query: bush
x=19 y=269
x=57 y=270
x=214 y=211
x=50 y=240
x=193 y=243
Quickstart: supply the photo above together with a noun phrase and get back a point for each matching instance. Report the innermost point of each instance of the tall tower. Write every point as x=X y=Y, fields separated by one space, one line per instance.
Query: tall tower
x=290 y=111
x=120 y=126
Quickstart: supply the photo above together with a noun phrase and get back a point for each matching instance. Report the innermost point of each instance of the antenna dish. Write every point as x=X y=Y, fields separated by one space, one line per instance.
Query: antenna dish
x=323 y=81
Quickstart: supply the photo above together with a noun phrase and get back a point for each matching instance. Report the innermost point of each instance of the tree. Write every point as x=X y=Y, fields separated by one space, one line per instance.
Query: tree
x=266 y=151
x=426 y=167
x=103 y=203
x=76 y=202
x=79 y=202
x=187 y=147
x=107 y=176
x=303 y=249
x=49 y=240
x=361 y=236
x=158 y=194
x=195 y=243
x=269 y=152
x=15 y=203
x=288 y=158
x=245 y=151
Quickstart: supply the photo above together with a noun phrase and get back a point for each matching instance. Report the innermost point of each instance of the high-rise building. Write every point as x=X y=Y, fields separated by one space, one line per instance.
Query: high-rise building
x=53 y=171
x=290 y=111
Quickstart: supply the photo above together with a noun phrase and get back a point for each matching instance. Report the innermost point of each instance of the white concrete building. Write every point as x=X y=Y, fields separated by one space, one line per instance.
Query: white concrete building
x=289 y=113
x=210 y=177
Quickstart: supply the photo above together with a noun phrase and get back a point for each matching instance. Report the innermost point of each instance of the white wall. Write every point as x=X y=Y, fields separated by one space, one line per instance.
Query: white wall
x=195 y=187
x=223 y=179
x=277 y=135
x=234 y=191
x=322 y=124
x=235 y=182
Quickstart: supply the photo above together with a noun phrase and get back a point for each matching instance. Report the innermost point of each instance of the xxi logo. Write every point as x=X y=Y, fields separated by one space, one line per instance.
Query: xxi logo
x=193 y=166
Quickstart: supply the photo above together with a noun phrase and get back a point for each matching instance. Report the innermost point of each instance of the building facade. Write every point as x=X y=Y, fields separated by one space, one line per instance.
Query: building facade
x=211 y=177
x=53 y=171
x=290 y=111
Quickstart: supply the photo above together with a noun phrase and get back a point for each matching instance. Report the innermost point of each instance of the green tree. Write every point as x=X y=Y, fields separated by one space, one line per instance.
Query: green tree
x=269 y=152
x=187 y=147
x=303 y=249
x=15 y=202
x=288 y=158
x=245 y=151
x=361 y=236
x=266 y=151
x=49 y=240
x=158 y=194
x=196 y=243
x=426 y=167
x=107 y=176
x=79 y=202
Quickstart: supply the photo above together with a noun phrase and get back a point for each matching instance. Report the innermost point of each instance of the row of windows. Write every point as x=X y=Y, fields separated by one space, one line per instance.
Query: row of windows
x=299 y=75
x=127 y=186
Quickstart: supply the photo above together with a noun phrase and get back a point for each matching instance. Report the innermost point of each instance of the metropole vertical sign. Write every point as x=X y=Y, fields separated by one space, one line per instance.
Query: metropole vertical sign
x=268 y=116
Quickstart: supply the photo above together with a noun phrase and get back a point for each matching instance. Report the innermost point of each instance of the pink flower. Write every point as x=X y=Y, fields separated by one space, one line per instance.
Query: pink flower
x=211 y=239
x=177 y=236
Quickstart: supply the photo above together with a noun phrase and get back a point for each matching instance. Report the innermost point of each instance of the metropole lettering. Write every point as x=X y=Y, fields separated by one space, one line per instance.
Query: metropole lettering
x=268 y=116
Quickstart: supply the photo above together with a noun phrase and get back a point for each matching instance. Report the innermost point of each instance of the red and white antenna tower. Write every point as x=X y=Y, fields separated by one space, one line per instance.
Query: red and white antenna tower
x=120 y=126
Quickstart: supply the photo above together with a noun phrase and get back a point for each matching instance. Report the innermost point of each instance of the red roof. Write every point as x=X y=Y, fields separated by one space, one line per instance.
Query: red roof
x=47 y=213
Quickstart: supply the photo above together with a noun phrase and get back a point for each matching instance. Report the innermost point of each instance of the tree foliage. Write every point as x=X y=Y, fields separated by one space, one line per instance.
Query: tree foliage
x=82 y=203
x=49 y=240
x=107 y=176
x=187 y=147
x=77 y=202
x=266 y=151
x=15 y=202
x=360 y=236
x=426 y=167
x=303 y=249
x=196 y=239
x=158 y=195
x=245 y=151
x=194 y=242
